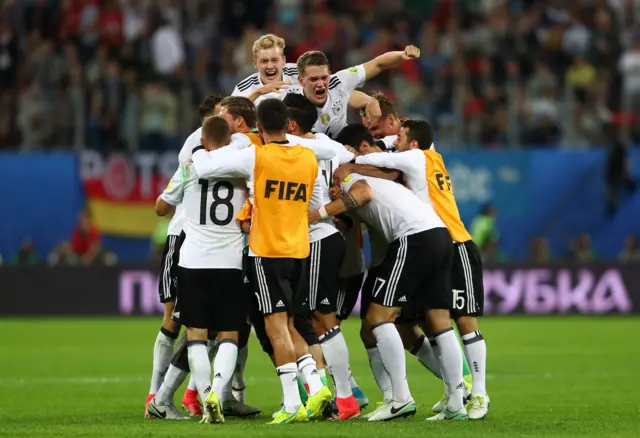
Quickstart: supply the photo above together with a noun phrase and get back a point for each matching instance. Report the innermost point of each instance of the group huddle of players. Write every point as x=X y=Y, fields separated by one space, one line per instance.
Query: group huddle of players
x=270 y=199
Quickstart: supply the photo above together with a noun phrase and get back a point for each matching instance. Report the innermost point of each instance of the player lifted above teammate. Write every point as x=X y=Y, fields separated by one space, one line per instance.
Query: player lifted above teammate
x=276 y=78
x=331 y=92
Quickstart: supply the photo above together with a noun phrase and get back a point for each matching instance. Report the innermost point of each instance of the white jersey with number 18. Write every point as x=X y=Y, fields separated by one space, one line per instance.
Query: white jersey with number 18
x=214 y=239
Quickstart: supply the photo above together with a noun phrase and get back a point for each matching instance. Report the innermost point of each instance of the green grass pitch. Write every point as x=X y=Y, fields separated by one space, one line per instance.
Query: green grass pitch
x=547 y=377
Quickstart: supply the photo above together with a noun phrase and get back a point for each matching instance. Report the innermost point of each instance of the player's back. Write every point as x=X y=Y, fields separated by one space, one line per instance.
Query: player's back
x=283 y=181
x=442 y=197
x=395 y=210
x=213 y=235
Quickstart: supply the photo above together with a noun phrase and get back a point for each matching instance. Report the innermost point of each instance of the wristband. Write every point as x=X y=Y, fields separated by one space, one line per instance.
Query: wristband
x=323 y=213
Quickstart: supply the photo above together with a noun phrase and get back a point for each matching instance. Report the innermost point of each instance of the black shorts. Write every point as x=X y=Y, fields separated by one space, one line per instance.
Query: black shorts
x=466 y=280
x=324 y=262
x=415 y=272
x=167 y=283
x=348 y=295
x=212 y=299
x=280 y=285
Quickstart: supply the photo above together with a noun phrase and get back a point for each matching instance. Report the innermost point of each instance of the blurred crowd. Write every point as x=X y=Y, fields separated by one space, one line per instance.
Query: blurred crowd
x=128 y=74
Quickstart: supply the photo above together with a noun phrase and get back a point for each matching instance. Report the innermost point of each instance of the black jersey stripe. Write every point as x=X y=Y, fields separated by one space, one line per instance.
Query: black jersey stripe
x=248 y=85
x=248 y=79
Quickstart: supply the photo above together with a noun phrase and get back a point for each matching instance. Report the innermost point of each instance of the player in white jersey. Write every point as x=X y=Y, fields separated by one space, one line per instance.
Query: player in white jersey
x=325 y=259
x=427 y=177
x=210 y=272
x=415 y=272
x=331 y=92
x=279 y=292
x=163 y=347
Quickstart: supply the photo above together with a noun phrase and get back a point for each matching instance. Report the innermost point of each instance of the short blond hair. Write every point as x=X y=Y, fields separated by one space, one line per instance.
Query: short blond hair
x=268 y=42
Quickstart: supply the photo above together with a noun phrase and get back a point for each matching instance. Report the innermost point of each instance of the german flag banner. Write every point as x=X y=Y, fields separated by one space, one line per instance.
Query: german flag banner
x=121 y=189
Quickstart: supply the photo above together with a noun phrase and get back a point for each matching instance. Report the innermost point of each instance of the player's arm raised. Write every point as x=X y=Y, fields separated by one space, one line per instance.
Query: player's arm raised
x=389 y=60
x=172 y=195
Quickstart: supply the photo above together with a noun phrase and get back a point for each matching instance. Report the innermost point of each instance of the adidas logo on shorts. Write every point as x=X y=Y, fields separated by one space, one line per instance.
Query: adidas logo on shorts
x=402 y=299
x=280 y=304
x=325 y=302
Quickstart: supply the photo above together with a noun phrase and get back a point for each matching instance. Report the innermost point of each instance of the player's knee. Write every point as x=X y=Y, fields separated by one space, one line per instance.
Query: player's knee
x=227 y=336
x=466 y=324
x=197 y=334
x=366 y=335
x=377 y=314
x=437 y=320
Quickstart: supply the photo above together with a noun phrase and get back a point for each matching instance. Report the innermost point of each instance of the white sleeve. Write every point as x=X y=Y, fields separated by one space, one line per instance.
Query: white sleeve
x=239 y=141
x=224 y=163
x=175 y=189
x=316 y=194
x=349 y=180
x=322 y=150
x=406 y=162
x=352 y=78
x=237 y=92
x=344 y=156
x=192 y=141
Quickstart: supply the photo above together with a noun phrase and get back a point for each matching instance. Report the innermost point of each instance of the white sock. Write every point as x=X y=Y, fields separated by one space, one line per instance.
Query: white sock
x=307 y=367
x=162 y=352
x=426 y=356
x=436 y=352
x=223 y=366
x=352 y=380
x=475 y=348
x=172 y=381
x=380 y=374
x=192 y=383
x=336 y=354
x=392 y=353
x=451 y=366
x=200 y=367
x=238 y=375
x=289 y=378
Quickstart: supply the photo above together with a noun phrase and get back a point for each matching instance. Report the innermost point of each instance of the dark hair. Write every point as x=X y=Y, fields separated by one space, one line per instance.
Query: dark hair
x=353 y=134
x=312 y=58
x=420 y=131
x=239 y=106
x=302 y=111
x=208 y=105
x=273 y=116
x=216 y=130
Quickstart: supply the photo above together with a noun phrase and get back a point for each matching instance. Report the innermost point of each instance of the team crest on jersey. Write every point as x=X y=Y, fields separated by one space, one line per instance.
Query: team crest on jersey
x=353 y=70
x=325 y=118
x=337 y=108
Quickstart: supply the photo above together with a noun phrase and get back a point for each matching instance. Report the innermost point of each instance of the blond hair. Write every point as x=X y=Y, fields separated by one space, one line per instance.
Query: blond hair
x=268 y=42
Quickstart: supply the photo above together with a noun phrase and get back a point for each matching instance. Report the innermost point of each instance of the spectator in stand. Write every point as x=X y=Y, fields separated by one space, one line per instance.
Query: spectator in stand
x=539 y=252
x=618 y=175
x=26 y=255
x=631 y=251
x=581 y=250
x=483 y=228
x=85 y=242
